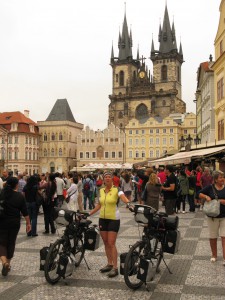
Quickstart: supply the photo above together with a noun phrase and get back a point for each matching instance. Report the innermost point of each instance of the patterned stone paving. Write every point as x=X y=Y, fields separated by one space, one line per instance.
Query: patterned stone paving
x=194 y=277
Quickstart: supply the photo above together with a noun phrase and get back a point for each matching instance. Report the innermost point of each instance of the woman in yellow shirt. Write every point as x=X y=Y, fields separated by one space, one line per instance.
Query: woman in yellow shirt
x=109 y=221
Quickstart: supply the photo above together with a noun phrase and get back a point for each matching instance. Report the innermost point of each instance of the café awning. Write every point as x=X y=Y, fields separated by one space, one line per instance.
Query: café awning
x=186 y=157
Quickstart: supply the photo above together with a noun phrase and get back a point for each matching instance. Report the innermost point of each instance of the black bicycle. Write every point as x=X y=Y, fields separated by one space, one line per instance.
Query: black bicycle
x=70 y=248
x=144 y=257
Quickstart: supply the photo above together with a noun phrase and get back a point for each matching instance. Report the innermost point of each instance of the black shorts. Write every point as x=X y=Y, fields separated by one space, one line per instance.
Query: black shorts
x=109 y=225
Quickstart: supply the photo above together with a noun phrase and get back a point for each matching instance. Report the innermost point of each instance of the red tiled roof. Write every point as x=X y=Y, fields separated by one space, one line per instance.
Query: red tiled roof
x=205 y=66
x=15 y=117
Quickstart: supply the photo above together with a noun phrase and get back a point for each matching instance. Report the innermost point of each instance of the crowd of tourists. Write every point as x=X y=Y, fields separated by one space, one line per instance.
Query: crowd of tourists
x=180 y=191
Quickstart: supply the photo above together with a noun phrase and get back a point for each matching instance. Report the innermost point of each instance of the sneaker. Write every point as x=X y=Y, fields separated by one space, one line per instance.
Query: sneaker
x=107 y=268
x=213 y=259
x=113 y=273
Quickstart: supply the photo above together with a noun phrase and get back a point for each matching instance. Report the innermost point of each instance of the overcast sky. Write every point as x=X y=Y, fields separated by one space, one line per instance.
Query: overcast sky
x=54 y=49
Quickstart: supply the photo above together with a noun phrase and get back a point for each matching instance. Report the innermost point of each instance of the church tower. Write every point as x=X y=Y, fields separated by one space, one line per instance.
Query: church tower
x=135 y=92
x=167 y=61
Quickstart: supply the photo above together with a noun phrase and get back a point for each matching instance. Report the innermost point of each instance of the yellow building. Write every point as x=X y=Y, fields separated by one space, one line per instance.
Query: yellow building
x=219 y=76
x=158 y=137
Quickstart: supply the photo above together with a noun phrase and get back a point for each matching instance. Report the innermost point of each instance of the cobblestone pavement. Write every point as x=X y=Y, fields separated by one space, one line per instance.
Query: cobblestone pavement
x=194 y=276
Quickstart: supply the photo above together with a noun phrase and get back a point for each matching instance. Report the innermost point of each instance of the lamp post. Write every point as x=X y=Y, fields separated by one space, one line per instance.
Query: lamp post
x=182 y=140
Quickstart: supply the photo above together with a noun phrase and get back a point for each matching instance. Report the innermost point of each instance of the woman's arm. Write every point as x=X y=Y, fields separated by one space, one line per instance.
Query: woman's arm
x=28 y=225
x=123 y=197
x=93 y=211
x=204 y=196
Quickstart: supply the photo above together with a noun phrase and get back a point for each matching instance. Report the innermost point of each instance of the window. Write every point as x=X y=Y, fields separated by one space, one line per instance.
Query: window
x=26 y=155
x=171 y=141
x=151 y=131
x=157 y=141
x=130 y=154
x=137 y=131
x=151 y=153
x=121 y=75
x=81 y=155
x=137 y=154
x=221 y=130
x=171 y=130
x=93 y=154
x=45 y=153
x=87 y=154
x=60 y=136
x=16 y=139
x=130 y=142
x=60 y=151
x=30 y=141
x=164 y=141
x=130 y=131
x=164 y=130
x=106 y=154
x=113 y=154
x=3 y=140
x=178 y=73
x=164 y=72
x=10 y=139
x=16 y=154
x=221 y=47
x=30 y=155
x=220 y=87
x=143 y=154
x=143 y=141
x=45 y=138
x=120 y=154
x=185 y=131
x=52 y=152
x=157 y=153
x=143 y=131
x=10 y=154
x=157 y=131
x=34 y=155
x=136 y=141
x=151 y=141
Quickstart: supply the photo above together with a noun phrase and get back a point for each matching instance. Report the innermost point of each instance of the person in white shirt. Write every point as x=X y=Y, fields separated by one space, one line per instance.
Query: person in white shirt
x=72 y=192
x=60 y=184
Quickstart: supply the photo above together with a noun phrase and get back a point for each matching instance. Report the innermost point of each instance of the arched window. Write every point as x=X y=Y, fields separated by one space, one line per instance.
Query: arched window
x=121 y=78
x=52 y=152
x=53 y=137
x=141 y=111
x=178 y=74
x=45 y=137
x=60 y=136
x=60 y=151
x=45 y=152
x=164 y=72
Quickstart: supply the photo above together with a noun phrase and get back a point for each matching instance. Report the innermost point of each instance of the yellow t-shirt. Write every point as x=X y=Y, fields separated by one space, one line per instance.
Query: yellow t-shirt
x=108 y=202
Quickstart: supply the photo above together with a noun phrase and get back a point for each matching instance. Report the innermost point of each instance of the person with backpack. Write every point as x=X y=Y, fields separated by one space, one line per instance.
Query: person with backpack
x=88 y=189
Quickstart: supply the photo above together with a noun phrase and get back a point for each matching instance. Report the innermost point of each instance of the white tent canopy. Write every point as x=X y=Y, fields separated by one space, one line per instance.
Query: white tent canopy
x=95 y=166
x=185 y=157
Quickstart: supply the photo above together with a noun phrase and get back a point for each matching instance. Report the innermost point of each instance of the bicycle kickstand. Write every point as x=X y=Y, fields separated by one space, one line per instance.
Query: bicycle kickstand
x=87 y=264
x=167 y=266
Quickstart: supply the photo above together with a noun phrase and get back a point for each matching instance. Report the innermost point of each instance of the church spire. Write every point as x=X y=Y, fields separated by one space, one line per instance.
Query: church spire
x=112 y=56
x=125 y=42
x=167 y=35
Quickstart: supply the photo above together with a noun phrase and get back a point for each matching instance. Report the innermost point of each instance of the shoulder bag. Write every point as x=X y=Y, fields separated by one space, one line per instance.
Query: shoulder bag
x=68 y=197
x=212 y=208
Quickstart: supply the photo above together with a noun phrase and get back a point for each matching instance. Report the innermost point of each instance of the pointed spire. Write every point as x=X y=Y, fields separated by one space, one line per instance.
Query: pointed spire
x=125 y=42
x=152 y=47
x=181 y=50
x=138 y=53
x=112 y=56
x=160 y=33
x=167 y=35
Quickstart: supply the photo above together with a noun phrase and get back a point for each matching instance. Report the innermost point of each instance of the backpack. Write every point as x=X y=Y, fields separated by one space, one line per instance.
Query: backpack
x=87 y=186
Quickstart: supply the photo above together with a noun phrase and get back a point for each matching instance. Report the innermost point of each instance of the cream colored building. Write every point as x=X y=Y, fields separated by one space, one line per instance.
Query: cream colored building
x=58 y=147
x=219 y=77
x=158 y=137
x=19 y=142
x=101 y=146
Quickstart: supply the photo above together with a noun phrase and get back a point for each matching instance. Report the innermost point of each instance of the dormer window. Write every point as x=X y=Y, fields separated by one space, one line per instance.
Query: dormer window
x=31 y=128
x=14 y=126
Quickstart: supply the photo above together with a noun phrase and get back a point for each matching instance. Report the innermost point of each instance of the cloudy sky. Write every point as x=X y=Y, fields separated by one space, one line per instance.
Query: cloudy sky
x=54 y=49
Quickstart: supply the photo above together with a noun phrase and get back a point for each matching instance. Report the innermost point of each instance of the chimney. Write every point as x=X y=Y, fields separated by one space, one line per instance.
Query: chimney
x=26 y=113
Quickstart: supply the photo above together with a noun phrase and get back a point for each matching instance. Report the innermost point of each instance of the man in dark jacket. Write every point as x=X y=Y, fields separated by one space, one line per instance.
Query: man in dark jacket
x=170 y=191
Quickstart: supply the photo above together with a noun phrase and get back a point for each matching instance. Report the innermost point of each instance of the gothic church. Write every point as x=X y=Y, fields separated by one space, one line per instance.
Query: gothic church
x=135 y=92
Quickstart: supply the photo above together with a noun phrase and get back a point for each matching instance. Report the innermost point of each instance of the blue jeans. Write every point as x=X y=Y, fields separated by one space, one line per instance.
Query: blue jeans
x=33 y=213
x=88 y=195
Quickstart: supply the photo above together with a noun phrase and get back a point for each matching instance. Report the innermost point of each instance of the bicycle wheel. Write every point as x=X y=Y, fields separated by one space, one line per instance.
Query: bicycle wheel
x=51 y=262
x=156 y=252
x=131 y=265
x=79 y=252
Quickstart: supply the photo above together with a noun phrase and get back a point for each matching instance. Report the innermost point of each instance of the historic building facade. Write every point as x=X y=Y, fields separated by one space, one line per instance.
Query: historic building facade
x=58 y=147
x=205 y=111
x=219 y=77
x=136 y=94
x=19 y=142
x=101 y=146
